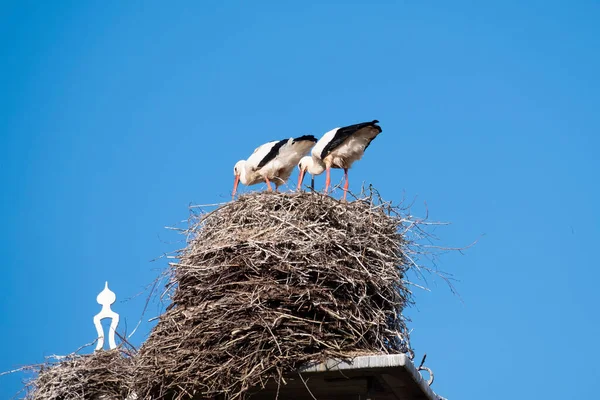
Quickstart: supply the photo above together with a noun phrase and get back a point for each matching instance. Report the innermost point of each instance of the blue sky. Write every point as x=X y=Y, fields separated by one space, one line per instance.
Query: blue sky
x=115 y=116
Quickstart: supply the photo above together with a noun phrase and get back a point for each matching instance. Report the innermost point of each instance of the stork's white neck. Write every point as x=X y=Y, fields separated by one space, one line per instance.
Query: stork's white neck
x=316 y=166
x=243 y=176
x=247 y=175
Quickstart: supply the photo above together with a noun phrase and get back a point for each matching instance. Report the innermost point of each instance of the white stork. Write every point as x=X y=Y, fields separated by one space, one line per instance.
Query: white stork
x=273 y=161
x=338 y=148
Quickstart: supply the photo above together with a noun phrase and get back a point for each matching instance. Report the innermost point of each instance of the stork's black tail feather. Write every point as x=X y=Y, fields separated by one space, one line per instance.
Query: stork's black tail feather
x=309 y=138
x=374 y=125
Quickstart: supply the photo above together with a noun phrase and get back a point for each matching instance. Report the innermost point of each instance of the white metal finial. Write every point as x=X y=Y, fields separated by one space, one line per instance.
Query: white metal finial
x=105 y=298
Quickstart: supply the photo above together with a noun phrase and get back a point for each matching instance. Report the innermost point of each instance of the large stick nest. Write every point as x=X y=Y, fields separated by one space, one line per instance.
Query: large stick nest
x=103 y=375
x=270 y=282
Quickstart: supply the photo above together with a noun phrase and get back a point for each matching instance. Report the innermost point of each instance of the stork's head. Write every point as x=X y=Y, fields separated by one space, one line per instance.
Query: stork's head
x=302 y=166
x=312 y=165
x=239 y=171
x=239 y=167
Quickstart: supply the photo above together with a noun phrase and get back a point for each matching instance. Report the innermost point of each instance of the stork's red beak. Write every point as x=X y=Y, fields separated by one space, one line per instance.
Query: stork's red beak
x=235 y=185
x=301 y=178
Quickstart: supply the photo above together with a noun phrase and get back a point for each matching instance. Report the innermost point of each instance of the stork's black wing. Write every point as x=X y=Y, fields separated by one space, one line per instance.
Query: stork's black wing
x=344 y=133
x=272 y=153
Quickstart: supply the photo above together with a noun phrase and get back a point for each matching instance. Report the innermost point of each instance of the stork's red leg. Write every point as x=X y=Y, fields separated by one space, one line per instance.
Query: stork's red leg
x=346 y=184
x=327 y=179
x=269 y=188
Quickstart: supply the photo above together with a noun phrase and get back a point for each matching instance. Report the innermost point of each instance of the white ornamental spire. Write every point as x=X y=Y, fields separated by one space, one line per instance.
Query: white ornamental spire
x=105 y=299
